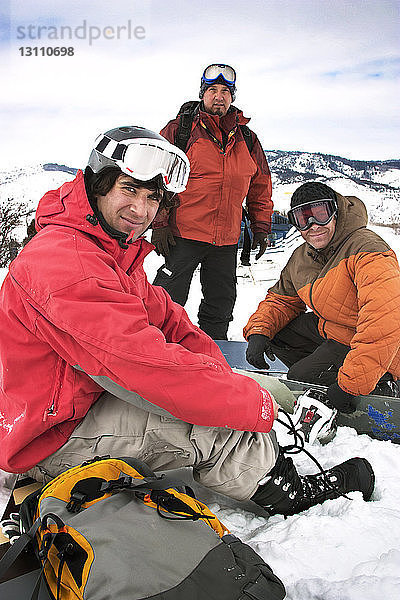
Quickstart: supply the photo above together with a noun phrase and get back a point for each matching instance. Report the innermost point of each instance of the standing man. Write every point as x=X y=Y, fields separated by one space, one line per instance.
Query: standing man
x=227 y=165
x=349 y=279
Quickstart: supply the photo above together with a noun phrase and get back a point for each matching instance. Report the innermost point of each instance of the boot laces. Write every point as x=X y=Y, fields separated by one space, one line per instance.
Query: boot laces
x=320 y=484
x=323 y=482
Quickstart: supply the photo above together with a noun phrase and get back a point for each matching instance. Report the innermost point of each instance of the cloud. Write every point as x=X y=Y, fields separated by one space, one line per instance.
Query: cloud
x=384 y=68
x=315 y=75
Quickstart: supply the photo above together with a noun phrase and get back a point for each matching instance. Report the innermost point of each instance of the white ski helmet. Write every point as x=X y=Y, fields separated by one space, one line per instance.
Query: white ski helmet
x=143 y=155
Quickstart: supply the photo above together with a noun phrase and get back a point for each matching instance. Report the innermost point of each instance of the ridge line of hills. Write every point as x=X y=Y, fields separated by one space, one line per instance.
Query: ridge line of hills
x=376 y=182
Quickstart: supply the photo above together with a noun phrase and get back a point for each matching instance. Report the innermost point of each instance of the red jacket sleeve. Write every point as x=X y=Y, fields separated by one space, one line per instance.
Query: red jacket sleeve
x=149 y=346
x=169 y=131
x=259 y=203
x=177 y=327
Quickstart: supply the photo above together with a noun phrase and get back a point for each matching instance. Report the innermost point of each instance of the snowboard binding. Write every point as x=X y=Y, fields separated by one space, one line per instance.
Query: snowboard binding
x=313 y=418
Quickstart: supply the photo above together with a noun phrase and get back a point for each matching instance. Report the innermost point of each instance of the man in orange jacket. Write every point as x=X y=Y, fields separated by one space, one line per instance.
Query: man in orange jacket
x=205 y=228
x=349 y=279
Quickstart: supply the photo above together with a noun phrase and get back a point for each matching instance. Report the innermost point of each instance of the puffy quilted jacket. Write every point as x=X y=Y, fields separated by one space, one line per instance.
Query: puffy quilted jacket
x=353 y=286
x=74 y=298
x=221 y=176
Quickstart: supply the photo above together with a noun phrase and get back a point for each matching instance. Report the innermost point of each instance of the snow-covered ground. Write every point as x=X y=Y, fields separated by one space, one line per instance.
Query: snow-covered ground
x=345 y=549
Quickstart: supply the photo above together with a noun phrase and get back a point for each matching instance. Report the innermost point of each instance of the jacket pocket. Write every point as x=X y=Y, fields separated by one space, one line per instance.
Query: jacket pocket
x=53 y=406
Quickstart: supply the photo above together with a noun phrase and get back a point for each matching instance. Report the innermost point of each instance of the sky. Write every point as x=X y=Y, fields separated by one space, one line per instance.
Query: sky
x=313 y=75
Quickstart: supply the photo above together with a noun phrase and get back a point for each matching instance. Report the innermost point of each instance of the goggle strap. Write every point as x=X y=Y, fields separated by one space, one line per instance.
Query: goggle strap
x=330 y=200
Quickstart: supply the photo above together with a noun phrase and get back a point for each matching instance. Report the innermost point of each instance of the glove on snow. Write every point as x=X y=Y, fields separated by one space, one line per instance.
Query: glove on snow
x=258 y=345
x=340 y=399
x=162 y=239
x=260 y=239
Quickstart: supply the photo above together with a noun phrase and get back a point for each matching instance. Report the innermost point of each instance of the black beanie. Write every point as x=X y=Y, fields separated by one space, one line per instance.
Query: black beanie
x=311 y=191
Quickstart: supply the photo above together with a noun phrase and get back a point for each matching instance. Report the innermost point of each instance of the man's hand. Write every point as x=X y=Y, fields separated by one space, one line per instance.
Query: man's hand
x=260 y=239
x=258 y=345
x=162 y=238
x=340 y=399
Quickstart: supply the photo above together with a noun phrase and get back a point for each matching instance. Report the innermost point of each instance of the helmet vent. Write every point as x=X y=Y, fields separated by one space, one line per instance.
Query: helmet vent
x=119 y=152
x=102 y=145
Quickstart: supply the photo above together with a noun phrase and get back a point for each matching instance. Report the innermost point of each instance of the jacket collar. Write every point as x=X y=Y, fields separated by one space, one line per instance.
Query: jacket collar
x=231 y=120
x=220 y=128
x=69 y=207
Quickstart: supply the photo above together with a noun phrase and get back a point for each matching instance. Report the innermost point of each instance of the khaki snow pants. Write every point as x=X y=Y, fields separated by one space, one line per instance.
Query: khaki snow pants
x=226 y=461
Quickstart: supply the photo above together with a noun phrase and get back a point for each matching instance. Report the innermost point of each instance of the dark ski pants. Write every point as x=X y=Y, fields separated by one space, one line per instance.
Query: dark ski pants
x=217 y=278
x=310 y=357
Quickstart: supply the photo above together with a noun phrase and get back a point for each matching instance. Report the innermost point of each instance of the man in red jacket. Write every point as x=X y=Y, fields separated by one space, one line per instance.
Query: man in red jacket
x=96 y=361
x=204 y=229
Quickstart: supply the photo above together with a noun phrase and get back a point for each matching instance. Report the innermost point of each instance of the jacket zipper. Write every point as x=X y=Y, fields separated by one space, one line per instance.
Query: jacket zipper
x=315 y=310
x=51 y=411
x=222 y=151
x=220 y=198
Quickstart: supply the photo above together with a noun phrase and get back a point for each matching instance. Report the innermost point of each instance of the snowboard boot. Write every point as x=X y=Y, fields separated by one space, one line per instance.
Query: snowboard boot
x=283 y=491
x=314 y=418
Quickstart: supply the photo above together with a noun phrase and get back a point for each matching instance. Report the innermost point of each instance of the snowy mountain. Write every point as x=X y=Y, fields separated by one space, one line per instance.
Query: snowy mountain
x=293 y=167
x=377 y=183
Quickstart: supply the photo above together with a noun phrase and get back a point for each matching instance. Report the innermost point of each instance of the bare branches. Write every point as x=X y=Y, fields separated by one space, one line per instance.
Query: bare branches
x=12 y=215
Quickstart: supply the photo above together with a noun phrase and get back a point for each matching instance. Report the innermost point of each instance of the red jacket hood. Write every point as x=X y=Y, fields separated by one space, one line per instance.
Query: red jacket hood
x=68 y=206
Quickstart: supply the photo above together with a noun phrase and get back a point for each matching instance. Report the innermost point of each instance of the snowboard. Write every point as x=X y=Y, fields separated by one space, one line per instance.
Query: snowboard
x=377 y=416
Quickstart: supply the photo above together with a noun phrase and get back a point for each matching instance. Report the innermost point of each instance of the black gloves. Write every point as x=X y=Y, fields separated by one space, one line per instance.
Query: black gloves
x=340 y=399
x=162 y=238
x=260 y=239
x=258 y=345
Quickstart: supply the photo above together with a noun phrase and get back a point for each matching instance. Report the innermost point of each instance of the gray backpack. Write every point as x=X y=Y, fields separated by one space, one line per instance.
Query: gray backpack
x=112 y=529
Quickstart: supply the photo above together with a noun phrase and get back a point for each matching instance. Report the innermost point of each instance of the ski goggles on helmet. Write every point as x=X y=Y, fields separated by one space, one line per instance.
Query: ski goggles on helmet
x=212 y=72
x=319 y=212
x=145 y=158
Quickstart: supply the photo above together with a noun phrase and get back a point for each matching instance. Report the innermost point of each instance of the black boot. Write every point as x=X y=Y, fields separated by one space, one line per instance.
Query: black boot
x=285 y=492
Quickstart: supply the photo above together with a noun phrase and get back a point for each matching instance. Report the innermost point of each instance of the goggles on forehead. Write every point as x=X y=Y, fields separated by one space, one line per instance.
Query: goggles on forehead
x=319 y=212
x=212 y=72
x=145 y=158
